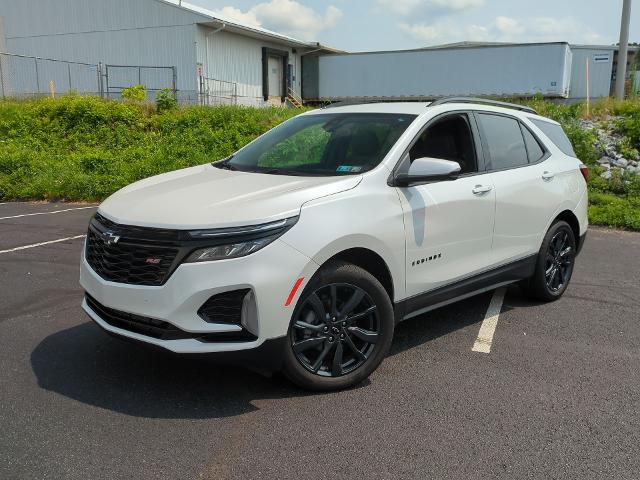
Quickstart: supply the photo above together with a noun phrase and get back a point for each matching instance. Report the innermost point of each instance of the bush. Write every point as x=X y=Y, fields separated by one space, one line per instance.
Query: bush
x=630 y=126
x=136 y=93
x=166 y=99
x=85 y=148
x=583 y=141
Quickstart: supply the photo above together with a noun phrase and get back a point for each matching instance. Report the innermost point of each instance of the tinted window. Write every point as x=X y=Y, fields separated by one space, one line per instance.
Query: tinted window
x=534 y=149
x=449 y=138
x=322 y=145
x=556 y=135
x=505 y=142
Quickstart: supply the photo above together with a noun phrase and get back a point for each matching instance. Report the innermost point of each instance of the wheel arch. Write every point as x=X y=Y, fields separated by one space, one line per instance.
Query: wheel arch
x=570 y=217
x=369 y=261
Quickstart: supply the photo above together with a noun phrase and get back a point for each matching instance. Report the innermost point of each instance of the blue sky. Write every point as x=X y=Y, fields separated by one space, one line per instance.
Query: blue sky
x=360 y=25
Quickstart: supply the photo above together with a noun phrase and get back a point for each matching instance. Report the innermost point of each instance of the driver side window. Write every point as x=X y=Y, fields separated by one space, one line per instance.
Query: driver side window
x=449 y=138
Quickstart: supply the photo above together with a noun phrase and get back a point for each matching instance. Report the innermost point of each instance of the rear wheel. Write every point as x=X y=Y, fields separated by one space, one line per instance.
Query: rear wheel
x=555 y=263
x=341 y=329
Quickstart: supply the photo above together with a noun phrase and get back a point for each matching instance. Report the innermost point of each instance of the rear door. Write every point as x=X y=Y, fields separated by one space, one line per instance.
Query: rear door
x=448 y=224
x=527 y=193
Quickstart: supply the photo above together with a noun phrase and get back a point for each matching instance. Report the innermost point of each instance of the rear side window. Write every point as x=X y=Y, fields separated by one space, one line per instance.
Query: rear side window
x=504 y=141
x=556 y=135
x=534 y=150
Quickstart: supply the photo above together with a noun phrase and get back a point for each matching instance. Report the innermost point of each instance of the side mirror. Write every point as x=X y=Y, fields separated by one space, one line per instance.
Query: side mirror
x=425 y=170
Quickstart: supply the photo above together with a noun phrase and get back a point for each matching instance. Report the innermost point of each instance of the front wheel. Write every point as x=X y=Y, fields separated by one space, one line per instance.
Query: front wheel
x=341 y=329
x=555 y=263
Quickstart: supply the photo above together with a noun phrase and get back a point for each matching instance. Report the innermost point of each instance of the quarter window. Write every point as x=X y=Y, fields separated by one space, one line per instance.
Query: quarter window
x=504 y=141
x=556 y=135
x=534 y=150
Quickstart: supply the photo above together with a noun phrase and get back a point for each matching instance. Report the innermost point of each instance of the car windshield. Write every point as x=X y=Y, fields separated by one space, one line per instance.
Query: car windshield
x=322 y=145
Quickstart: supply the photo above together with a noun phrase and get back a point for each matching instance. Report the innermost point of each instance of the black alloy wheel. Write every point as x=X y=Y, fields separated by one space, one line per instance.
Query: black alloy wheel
x=554 y=265
x=559 y=261
x=336 y=330
x=341 y=329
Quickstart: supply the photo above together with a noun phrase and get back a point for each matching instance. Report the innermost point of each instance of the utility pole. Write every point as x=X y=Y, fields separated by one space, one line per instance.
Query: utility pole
x=621 y=72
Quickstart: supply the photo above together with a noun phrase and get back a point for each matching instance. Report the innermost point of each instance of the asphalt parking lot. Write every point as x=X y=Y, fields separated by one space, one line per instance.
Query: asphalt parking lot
x=558 y=396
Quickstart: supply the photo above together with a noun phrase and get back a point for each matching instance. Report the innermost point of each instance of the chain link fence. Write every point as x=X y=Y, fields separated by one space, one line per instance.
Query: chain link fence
x=119 y=77
x=24 y=76
x=217 y=92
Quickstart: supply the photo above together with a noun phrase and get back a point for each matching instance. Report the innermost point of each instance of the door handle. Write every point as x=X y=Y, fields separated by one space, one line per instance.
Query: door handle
x=480 y=189
x=548 y=175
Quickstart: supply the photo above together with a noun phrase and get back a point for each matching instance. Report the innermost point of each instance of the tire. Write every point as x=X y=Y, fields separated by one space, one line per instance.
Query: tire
x=349 y=343
x=554 y=265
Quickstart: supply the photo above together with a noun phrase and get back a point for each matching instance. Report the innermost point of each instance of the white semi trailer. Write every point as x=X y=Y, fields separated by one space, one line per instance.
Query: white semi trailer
x=496 y=70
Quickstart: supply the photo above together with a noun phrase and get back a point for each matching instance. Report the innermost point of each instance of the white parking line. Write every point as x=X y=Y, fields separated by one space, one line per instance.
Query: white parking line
x=45 y=213
x=490 y=322
x=25 y=247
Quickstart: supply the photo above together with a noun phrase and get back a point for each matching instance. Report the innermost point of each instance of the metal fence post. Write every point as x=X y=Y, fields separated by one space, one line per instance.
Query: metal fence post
x=106 y=80
x=2 y=75
x=175 y=79
x=37 y=75
x=99 y=73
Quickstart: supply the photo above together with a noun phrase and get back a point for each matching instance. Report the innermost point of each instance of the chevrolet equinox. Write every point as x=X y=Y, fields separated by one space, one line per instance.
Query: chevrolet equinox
x=306 y=247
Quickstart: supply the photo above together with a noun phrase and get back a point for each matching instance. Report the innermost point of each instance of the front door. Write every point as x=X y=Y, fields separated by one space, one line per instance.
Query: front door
x=276 y=77
x=448 y=224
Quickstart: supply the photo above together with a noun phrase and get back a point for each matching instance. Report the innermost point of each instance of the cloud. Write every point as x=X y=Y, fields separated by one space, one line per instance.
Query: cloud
x=286 y=16
x=504 y=29
x=409 y=7
x=246 y=18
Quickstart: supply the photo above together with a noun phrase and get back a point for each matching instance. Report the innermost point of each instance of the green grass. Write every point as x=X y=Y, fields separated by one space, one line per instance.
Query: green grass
x=84 y=149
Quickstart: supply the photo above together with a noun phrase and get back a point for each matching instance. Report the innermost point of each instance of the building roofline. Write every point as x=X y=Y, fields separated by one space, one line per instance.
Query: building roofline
x=464 y=45
x=603 y=47
x=211 y=18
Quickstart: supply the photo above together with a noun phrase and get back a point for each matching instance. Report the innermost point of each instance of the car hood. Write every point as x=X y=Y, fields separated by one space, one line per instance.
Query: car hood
x=210 y=197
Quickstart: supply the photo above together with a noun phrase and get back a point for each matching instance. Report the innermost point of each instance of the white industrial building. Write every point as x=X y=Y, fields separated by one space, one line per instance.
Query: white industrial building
x=210 y=59
x=215 y=59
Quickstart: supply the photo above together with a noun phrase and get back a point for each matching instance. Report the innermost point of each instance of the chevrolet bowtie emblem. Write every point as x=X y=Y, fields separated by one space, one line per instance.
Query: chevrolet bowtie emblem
x=110 y=238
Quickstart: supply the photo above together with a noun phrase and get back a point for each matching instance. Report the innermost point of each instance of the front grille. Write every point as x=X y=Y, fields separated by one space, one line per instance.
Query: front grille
x=161 y=330
x=224 y=308
x=132 y=260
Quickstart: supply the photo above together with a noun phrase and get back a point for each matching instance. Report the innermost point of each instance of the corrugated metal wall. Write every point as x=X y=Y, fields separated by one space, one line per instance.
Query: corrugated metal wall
x=140 y=32
x=600 y=69
x=230 y=57
x=499 y=71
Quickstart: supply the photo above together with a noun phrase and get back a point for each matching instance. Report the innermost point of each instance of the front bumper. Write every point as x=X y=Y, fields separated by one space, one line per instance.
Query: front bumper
x=269 y=274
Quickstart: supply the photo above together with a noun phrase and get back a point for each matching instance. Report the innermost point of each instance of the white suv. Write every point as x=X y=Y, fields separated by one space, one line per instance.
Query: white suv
x=307 y=246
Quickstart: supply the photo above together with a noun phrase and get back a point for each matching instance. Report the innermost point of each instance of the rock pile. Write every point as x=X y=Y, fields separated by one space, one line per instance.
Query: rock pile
x=608 y=148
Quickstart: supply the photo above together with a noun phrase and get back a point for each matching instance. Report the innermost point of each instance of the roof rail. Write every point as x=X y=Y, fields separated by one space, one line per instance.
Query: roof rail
x=370 y=101
x=483 y=101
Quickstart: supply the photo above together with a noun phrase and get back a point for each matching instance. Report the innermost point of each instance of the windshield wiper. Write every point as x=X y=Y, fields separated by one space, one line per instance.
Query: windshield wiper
x=293 y=172
x=225 y=164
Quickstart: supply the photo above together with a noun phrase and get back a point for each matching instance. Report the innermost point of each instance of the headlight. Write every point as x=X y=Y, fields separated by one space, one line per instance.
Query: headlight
x=229 y=251
x=237 y=241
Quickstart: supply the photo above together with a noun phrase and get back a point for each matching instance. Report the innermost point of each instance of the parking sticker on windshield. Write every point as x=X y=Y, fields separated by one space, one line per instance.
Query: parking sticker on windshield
x=348 y=169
